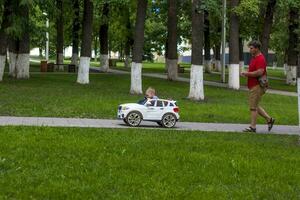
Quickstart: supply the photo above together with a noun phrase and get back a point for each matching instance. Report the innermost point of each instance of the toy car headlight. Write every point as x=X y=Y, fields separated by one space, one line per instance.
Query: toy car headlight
x=125 y=108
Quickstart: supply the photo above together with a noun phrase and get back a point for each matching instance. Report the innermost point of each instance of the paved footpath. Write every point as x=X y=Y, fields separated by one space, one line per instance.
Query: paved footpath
x=107 y=123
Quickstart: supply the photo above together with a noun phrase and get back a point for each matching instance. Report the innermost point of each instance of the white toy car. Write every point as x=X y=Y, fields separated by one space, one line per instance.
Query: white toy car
x=164 y=112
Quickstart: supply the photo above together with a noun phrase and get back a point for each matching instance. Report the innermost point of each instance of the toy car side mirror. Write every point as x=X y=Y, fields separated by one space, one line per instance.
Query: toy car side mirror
x=148 y=103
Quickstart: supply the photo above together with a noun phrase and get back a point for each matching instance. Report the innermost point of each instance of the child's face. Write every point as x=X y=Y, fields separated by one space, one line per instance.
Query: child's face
x=150 y=94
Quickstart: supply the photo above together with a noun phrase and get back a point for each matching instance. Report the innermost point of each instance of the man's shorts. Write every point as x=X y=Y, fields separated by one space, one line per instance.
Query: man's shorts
x=255 y=95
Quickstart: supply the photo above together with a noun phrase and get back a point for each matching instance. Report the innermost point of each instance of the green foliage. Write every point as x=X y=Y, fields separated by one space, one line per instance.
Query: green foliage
x=250 y=18
x=38 y=28
x=156 y=28
x=250 y=13
x=280 y=32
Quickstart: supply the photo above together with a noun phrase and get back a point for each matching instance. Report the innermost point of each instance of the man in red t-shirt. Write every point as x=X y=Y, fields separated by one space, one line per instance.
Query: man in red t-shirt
x=257 y=68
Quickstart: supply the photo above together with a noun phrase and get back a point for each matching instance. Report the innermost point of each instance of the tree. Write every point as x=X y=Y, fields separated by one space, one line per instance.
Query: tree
x=86 y=44
x=293 y=45
x=75 y=32
x=234 y=75
x=60 y=34
x=298 y=83
x=4 y=36
x=207 y=60
x=217 y=54
x=241 y=53
x=129 y=39
x=136 y=65
x=196 y=81
x=172 y=58
x=103 y=36
x=19 y=42
x=280 y=32
x=267 y=25
x=215 y=18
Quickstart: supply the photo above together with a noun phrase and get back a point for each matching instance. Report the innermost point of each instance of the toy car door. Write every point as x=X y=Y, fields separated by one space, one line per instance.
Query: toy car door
x=155 y=111
x=151 y=110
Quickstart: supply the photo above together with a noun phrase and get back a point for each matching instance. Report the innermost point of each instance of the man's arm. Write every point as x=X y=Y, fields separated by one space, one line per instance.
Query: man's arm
x=256 y=73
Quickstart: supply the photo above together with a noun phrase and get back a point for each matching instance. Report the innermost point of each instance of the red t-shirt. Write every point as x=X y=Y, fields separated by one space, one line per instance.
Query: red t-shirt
x=257 y=62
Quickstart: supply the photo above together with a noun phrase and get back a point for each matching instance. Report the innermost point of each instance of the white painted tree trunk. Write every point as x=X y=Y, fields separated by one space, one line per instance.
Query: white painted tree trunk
x=83 y=70
x=104 y=62
x=294 y=75
x=2 y=66
x=22 y=66
x=172 y=69
x=274 y=65
x=285 y=69
x=60 y=61
x=196 y=83
x=136 y=78
x=207 y=66
x=12 y=64
x=291 y=75
x=234 y=76
x=127 y=61
x=218 y=65
x=242 y=64
x=74 y=60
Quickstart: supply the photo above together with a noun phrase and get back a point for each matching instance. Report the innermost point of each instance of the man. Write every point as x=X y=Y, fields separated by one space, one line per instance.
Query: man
x=257 y=68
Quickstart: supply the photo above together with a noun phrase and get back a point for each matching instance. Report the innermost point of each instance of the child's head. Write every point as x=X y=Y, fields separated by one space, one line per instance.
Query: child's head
x=150 y=92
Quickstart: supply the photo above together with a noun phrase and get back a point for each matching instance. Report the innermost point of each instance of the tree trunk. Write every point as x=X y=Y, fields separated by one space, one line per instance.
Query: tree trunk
x=292 y=49
x=234 y=75
x=172 y=58
x=298 y=85
x=96 y=48
x=136 y=65
x=129 y=40
x=3 y=36
x=196 y=80
x=241 y=54
x=207 y=57
x=40 y=53
x=60 y=35
x=86 y=44
x=268 y=21
x=103 y=36
x=13 y=53
x=127 y=55
x=19 y=49
x=75 y=34
x=217 y=53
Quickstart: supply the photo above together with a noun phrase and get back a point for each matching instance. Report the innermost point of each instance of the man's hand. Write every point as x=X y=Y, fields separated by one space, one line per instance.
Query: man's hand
x=244 y=74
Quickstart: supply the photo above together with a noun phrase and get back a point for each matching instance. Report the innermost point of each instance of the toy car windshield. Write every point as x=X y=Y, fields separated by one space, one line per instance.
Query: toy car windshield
x=142 y=101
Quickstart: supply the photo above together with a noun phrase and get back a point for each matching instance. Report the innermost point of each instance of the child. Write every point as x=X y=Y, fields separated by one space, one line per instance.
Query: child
x=150 y=93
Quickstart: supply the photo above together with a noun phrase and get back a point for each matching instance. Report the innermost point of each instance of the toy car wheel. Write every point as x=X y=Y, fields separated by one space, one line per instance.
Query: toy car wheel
x=168 y=120
x=134 y=118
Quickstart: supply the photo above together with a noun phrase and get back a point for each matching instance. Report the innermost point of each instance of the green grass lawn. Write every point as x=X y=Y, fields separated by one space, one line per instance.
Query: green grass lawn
x=75 y=163
x=159 y=68
x=58 y=95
